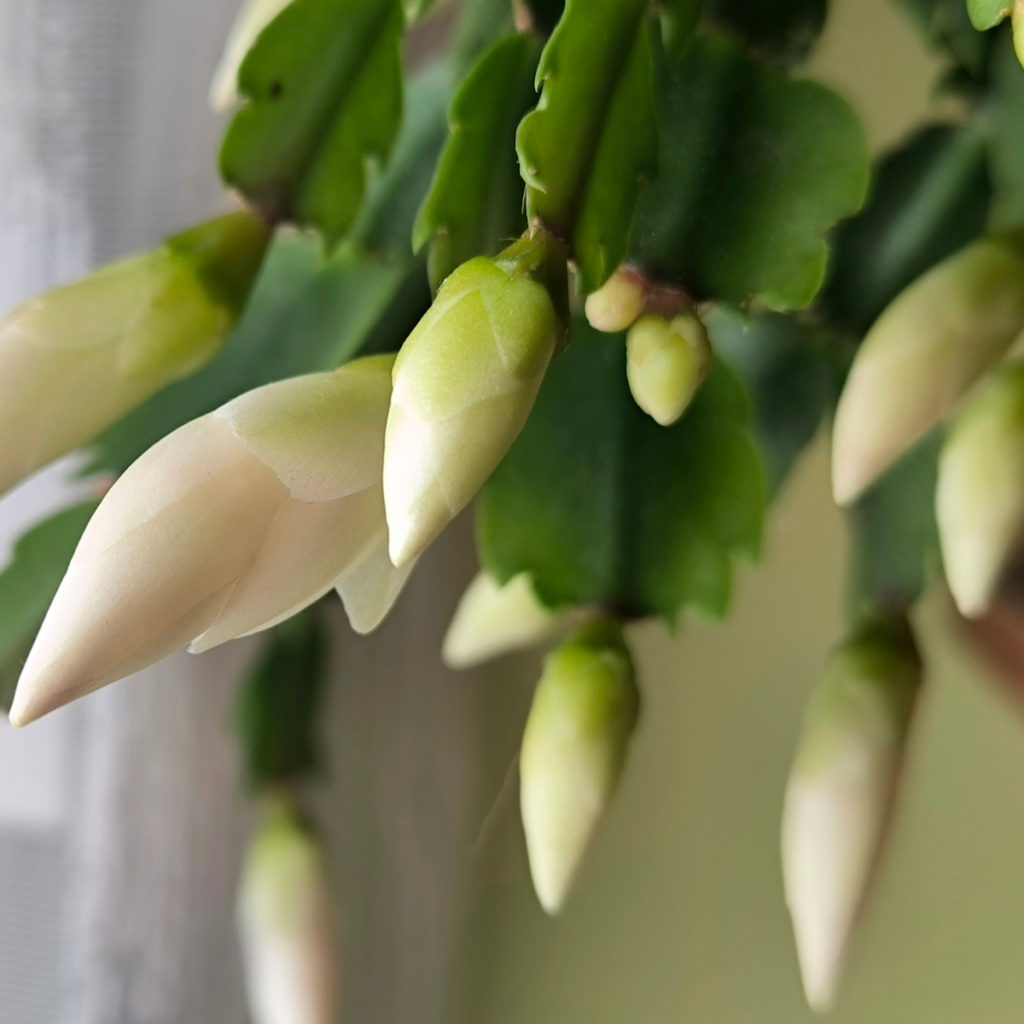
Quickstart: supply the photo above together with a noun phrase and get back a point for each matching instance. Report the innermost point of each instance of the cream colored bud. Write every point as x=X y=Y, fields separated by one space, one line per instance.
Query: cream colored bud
x=286 y=925
x=252 y=19
x=666 y=362
x=922 y=355
x=617 y=303
x=227 y=526
x=980 y=494
x=494 y=619
x=841 y=791
x=574 y=749
x=464 y=383
x=75 y=360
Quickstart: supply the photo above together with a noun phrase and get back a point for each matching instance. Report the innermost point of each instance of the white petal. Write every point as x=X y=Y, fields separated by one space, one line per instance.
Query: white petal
x=371 y=587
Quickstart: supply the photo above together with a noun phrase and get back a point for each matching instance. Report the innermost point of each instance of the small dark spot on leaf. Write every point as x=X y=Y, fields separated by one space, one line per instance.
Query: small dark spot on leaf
x=276 y=89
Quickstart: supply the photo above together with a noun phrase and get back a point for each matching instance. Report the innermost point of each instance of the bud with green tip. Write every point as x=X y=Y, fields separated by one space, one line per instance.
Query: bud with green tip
x=980 y=494
x=574 y=749
x=666 y=362
x=924 y=352
x=78 y=358
x=841 y=791
x=252 y=19
x=494 y=618
x=286 y=924
x=464 y=383
x=617 y=303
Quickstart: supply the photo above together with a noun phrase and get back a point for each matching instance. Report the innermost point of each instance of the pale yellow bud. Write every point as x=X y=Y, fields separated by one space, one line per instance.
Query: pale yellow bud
x=252 y=19
x=227 y=526
x=840 y=793
x=574 y=749
x=922 y=355
x=617 y=303
x=666 y=362
x=980 y=495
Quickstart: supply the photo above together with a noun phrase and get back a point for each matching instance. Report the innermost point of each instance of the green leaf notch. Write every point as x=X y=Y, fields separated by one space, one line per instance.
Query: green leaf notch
x=986 y=14
x=28 y=583
x=592 y=139
x=324 y=81
x=475 y=202
x=280 y=700
x=754 y=170
x=602 y=507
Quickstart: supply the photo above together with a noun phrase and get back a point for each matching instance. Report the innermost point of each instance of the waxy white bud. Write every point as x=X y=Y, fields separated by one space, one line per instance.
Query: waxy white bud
x=922 y=355
x=77 y=359
x=227 y=526
x=252 y=19
x=617 y=303
x=494 y=619
x=666 y=362
x=286 y=925
x=574 y=749
x=841 y=791
x=464 y=384
x=980 y=494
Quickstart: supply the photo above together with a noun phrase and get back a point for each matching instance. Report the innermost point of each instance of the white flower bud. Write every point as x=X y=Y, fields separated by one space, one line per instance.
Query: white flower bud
x=494 y=619
x=574 y=749
x=464 y=383
x=840 y=793
x=227 y=526
x=371 y=587
x=76 y=359
x=924 y=352
x=666 y=362
x=252 y=19
x=286 y=926
x=980 y=495
x=617 y=303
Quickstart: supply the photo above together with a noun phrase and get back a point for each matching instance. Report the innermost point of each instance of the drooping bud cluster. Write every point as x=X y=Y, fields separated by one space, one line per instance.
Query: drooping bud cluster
x=841 y=791
x=76 y=359
x=574 y=749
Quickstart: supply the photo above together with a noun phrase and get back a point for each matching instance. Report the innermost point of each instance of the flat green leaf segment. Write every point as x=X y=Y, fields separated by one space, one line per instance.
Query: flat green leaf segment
x=754 y=169
x=279 y=703
x=930 y=197
x=475 y=204
x=324 y=82
x=604 y=507
x=1004 y=120
x=986 y=14
x=593 y=137
x=28 y=583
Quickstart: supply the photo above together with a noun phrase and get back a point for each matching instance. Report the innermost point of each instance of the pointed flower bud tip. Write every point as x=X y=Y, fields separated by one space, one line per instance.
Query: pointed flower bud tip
x=924 y=352
x=252 y=19
x=574 y=749
x=227 y=526
x=286 y=925
x=464 y=383
x=617 y=303
x=666 y=362
x=494 y=619
x=980 y=494
x=841 y=790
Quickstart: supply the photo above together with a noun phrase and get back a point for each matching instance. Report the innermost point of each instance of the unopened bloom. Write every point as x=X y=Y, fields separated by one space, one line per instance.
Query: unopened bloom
x=980 y=495
x=494 y=618
x=76 y=359
x=617 y=303
x=924 y=352
x=841 y=790
x=252 y=19
x=464 y=383
x=227 y=526
x=666 y=362
x=286 y=925
x=574 y=749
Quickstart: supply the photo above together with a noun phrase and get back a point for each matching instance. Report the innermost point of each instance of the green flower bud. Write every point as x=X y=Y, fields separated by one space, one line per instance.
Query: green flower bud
x=574 y=749
x=464 y=383
x=666 y=362
x=494 y=619
x=924 y=352
x=617 y=303
x=75 y=360
x=841 y=790
x=286 y=925
x=980 y=495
